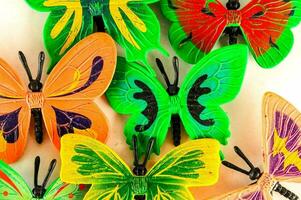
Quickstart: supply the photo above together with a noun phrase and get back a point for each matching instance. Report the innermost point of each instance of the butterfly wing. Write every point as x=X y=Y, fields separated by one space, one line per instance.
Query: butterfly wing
x=87 y=161
x=14 y=114
x=136 y=92
x=134 y=26
x=59 y=190
x=196 y=26
x=12 y=185
x=282 y=138
x=214 y=80
x=67 y=23
x=130 y=22
x=266 y=26
x=192 y=164
x=81 y=76
x=251 y=192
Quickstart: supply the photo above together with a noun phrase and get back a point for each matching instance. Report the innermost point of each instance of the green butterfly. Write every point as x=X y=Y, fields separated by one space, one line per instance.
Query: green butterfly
x=130 y=22
x=88 y=161
x=214 y=80
x=13 y=186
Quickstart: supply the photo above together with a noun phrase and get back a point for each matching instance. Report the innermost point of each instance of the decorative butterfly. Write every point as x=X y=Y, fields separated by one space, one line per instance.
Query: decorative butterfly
x=282 y=153
x=13 y=186
x=214 y=80
x=65 y=103
x=265 y=25
x=87 y=161
x=130 y=22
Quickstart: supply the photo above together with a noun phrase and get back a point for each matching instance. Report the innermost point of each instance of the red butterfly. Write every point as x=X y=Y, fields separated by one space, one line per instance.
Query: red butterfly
x=265 y=25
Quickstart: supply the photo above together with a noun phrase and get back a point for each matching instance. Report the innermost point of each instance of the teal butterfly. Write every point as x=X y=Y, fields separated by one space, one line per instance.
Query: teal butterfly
x=214 y=80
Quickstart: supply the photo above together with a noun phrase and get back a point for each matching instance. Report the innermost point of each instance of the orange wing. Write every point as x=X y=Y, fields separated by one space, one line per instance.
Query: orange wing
x=14 y=114
x=81 y=76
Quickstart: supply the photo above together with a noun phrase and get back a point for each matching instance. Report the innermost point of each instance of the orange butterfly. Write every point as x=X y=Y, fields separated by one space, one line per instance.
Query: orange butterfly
x=64 y=103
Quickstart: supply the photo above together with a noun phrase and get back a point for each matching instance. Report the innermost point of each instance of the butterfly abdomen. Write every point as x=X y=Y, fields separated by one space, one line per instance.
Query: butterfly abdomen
x=285 y=192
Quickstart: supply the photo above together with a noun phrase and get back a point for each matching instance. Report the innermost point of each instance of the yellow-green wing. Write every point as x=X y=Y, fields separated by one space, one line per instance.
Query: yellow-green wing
x=194 y=163
x=87 y=161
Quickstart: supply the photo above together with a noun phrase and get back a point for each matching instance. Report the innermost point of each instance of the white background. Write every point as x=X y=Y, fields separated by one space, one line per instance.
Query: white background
x=21 y=29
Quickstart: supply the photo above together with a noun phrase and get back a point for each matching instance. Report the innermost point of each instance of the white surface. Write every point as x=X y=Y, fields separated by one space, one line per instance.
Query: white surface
x=21 y=29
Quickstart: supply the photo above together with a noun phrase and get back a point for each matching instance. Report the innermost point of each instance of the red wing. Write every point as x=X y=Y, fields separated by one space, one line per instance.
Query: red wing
x=266 y=25
x=197 y=26
x=204 y=20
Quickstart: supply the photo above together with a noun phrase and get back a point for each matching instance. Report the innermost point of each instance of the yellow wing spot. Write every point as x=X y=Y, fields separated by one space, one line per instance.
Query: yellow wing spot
x=290 y=158
x=73 y=8
x=115 y=6
x=73 y=86
x=3 y=142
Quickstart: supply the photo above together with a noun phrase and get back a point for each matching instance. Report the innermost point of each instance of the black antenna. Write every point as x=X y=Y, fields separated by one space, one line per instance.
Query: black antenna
x=135 y=148
x=41 y=64
x=254 y=173
x=39 y=190
x=148 y=152
x=36 y=170
x=163 y=72
x=25 y=65
x=175 y=63
x=50 y=171
x=140 y=169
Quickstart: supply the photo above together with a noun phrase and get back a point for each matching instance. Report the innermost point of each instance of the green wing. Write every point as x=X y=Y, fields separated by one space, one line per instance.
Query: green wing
x=59 y=190
x=12 y=185
x=214 y=80
x=194 y=163
x=67 y=23
x=136 y=92
x=130 y=22
x=87 y=161
x=134 y=26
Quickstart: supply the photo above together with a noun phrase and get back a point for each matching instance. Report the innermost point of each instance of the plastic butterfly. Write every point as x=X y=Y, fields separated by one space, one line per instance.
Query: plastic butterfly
x=130 y=22
x=87 y=161
x=66 y=101
x=13 y=186
x=281 y=153
x=264 y=24
x=214 y=80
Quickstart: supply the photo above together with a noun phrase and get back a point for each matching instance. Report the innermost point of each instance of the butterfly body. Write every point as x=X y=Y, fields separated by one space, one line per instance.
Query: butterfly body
x=13 y=186
x=155 y=108
x=63 y=104
x=131 y=23
x=190 y=164
x=265 y=26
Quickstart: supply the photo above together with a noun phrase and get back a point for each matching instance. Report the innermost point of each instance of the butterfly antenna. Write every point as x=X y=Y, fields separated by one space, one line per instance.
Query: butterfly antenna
x=135 y=146
x=25 y=65
x=50 y=170
x=242 y=155
x=41 y=64
x=36 y=170
x=149 y=150
x=234 y=167
x=163 y=72
x=175 y=63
